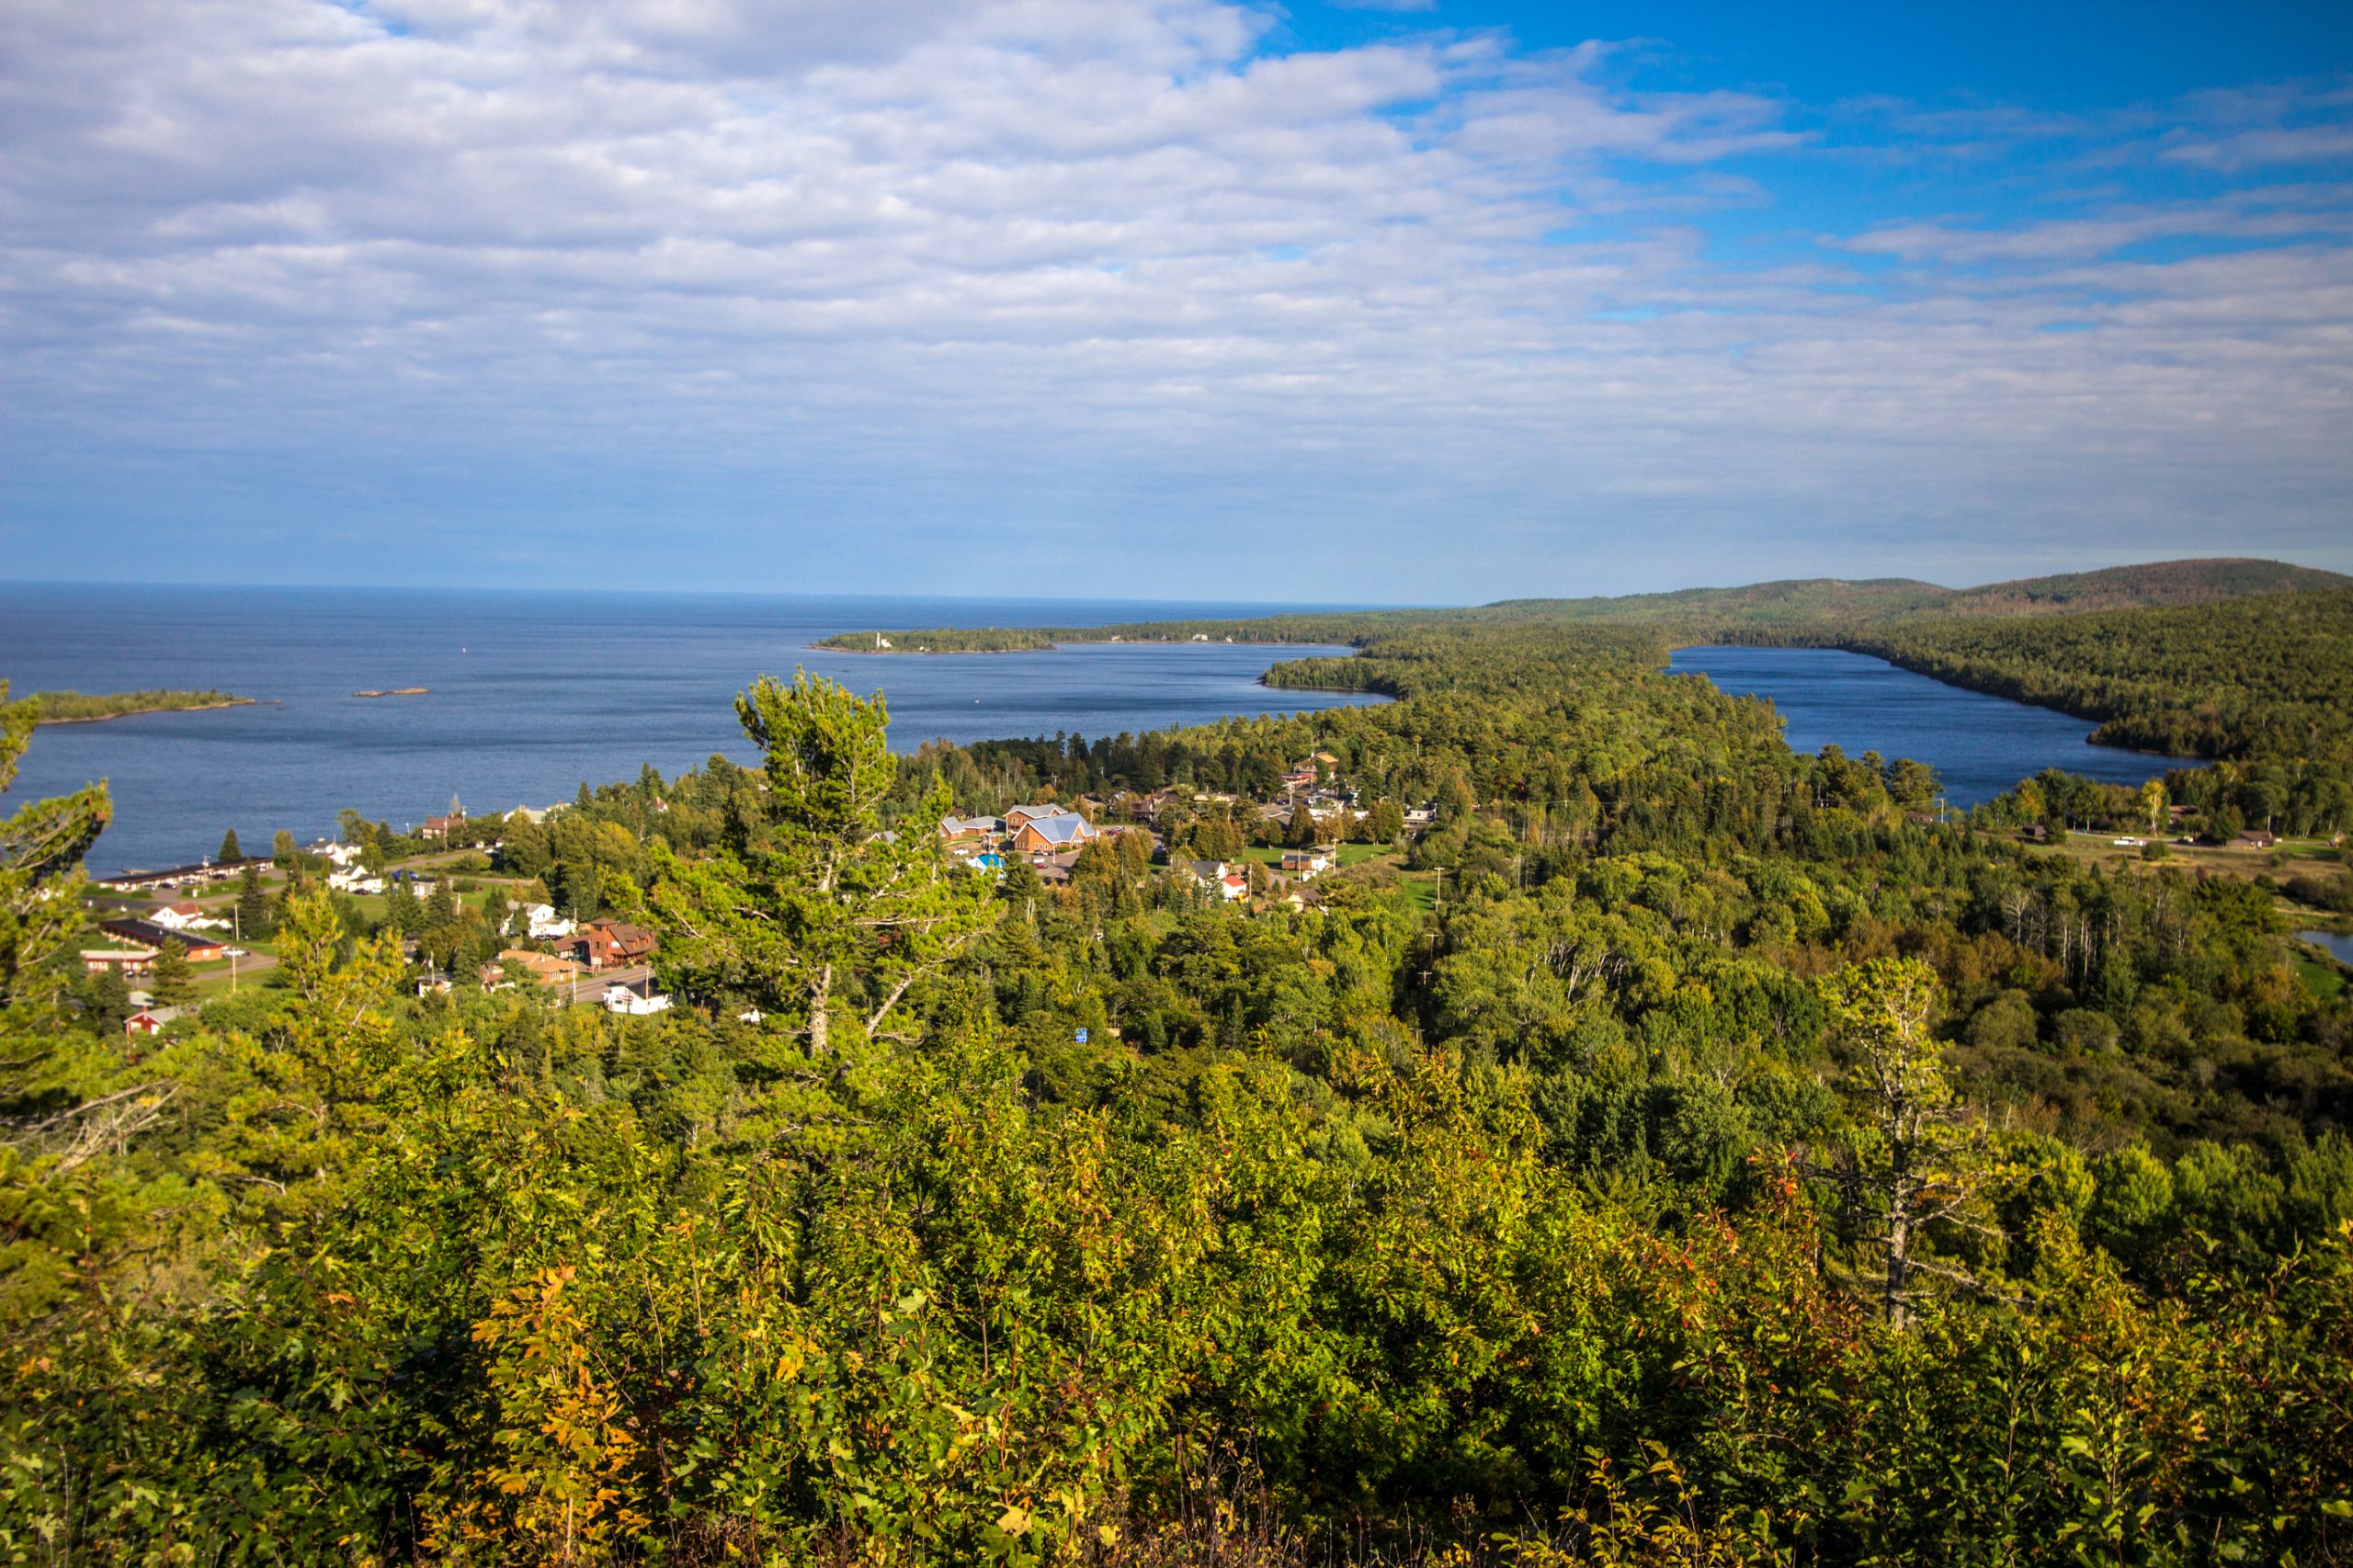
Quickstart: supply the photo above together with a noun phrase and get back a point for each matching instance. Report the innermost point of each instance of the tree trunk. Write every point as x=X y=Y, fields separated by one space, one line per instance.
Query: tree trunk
x=821 y=995
x=1895 y=1292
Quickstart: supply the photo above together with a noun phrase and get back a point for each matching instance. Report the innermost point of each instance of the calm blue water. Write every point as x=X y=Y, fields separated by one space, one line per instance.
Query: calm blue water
x=1979 y=746
x=2339 y=947
x=532 y=693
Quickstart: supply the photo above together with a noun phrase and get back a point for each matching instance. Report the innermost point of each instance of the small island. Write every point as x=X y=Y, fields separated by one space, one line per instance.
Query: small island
x=396 y=691
x=84 y=708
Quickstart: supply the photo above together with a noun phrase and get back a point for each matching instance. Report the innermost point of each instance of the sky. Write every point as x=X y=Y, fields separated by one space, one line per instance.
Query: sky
x=1426 y=302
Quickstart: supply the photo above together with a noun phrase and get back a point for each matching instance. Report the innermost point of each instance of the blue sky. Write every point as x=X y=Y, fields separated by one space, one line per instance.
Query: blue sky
x=1169 y=297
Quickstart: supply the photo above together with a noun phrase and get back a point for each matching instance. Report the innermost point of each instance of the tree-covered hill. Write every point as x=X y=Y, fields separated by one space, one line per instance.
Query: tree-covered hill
x=2254 y=676
x=1797 y=610
x=2160 y=585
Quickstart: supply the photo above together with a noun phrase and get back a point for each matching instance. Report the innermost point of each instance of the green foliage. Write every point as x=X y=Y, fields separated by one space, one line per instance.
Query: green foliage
x=75 y=708
x=2231 y=679
x=1730 y=1169
x=173 y=981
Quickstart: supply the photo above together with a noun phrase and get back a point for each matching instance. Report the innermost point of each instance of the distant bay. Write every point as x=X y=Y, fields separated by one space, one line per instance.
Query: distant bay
x=529 y=695
x=1979 y=746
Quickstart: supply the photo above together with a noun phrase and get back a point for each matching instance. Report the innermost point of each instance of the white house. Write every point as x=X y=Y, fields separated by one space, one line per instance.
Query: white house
x=542 y=923
x=622 y=999
x=1307 y=864
x=186 y=915
x=1219 y=878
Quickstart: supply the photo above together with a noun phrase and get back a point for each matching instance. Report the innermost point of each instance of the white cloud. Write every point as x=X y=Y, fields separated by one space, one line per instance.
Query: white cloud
x=1007 y=264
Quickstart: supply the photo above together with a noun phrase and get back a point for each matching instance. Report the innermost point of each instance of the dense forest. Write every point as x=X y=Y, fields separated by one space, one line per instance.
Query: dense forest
x=2271 y=676
x=1678 y=1151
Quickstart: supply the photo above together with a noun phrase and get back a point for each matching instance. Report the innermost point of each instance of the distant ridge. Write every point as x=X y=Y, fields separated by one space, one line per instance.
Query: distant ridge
x=1803 y=609
x=1817 y=600
x=2159 y=585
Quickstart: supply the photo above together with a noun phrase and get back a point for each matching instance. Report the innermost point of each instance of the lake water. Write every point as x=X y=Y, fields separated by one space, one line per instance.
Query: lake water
x=2339 y=947
x=531 y=694
x=1979 y=746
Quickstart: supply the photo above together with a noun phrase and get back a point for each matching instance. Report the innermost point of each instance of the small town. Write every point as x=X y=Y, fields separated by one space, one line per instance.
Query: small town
x=496 y=902
x=469 y=911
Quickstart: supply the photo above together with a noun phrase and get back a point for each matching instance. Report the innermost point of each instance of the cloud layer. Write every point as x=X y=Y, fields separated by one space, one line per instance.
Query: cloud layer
x=901 y=293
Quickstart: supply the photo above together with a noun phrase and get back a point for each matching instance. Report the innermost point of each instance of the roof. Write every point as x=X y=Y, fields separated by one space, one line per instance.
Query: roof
x=971 y=825
x=1069 y=828
x=148 y=934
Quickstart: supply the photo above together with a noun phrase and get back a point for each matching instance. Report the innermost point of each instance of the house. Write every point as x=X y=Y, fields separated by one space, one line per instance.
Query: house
x=147 y=934
x=126 y=961
x=186 y=915
x=1330 y=762
x=355 y=881
x=150 y=1021
x=612 y=944
x=1306 y=864
x=544 y=925
x=2253 y=838
x=622 y=999
x=545 y=968
x=343 y=855
x=957 y=830
x=1219 y=878
x=1020 y=814
x=1050 y=835
x=1300 y=777
x=442 y=827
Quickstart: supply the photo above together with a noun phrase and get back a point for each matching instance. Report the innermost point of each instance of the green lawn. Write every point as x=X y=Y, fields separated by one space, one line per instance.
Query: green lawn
x=2323 y=980
x=1347 y=855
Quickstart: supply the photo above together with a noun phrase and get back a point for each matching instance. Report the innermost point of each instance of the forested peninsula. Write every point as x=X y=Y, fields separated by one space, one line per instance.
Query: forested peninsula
x=78 y=708
x=2239 y=657
x=1540 y=1122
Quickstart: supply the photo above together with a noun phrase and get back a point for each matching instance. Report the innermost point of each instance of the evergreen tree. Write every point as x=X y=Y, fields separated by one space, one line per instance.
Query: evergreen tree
x=172 y=982
x=252 y=904
x=1915 y=1165
x=229 y=848
x=829 y=919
